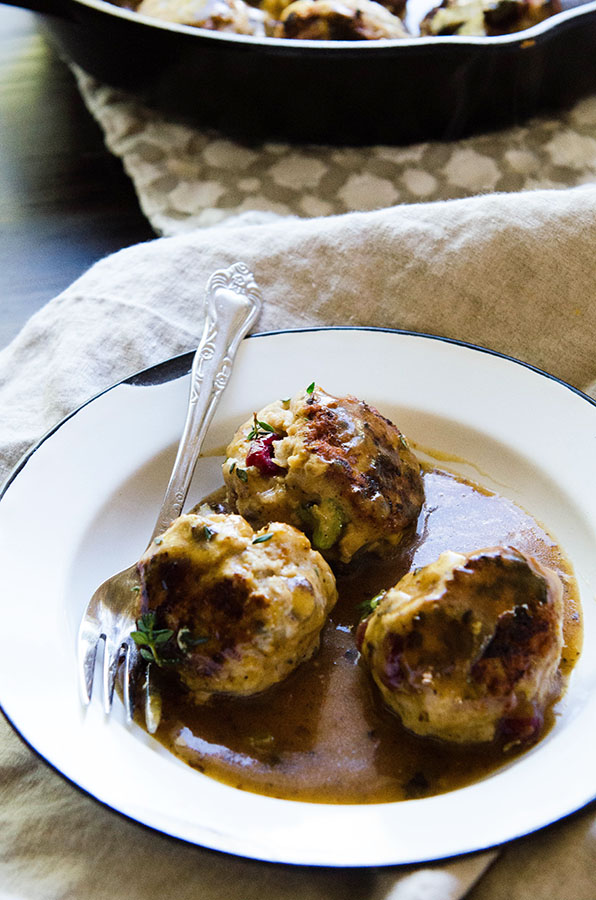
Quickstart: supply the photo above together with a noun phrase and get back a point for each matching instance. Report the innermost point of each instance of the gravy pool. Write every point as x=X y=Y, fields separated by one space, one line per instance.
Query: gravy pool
x=322 y=735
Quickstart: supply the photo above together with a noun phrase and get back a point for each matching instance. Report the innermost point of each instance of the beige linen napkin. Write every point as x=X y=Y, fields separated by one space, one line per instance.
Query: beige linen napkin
x=513 y=272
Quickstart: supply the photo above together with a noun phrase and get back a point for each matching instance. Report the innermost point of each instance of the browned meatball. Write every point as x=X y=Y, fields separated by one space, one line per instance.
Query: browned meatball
x=397 y=7
x=338 y=20
x=467 y=649
x=334 y=467
x=216 y=15
x=486 y=17
x=245 y=608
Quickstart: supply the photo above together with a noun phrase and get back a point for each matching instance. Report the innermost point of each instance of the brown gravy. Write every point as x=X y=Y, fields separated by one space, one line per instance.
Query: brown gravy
x=322 y=735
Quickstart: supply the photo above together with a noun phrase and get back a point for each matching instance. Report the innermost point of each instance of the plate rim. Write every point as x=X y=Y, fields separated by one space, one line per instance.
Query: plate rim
x=176 y=367
x=140 y=377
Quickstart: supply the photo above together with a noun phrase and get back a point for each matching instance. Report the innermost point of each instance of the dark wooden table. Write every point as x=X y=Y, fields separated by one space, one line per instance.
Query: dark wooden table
x=65 y=201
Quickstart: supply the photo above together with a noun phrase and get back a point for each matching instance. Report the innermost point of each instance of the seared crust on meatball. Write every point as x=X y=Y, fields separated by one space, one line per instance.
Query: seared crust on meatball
x=338 y=20
x=334 y=467
x=246 y=608
x=216 y=15
x=486 y=17
x=467 y=649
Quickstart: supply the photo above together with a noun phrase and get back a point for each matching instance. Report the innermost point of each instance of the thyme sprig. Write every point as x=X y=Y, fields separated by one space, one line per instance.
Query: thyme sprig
x=259 y=429
x=151 y=640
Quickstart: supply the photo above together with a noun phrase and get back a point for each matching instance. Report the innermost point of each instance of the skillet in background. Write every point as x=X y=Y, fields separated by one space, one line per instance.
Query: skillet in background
x=341 y=92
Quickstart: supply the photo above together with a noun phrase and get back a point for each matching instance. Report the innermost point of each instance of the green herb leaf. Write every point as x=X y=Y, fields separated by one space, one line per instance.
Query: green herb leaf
x=242 y=475
x=261 y=538
x=369 y=606
x=202 y=532
x=259 y=429
x=160 y=637
x=153 y=642
x=377 y=599
x=146 y=623
x=149 y=639
x=186 y=641
x=310 y=388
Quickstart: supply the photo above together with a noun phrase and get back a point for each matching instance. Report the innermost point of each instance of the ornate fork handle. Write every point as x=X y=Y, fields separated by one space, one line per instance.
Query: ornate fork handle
x=233 y=304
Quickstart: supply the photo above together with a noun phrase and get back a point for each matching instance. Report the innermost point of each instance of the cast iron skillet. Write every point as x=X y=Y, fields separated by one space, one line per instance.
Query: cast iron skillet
x=363 y=92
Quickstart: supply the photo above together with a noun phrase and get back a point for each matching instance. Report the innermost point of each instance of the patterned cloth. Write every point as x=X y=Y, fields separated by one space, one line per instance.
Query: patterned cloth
x=186 y=178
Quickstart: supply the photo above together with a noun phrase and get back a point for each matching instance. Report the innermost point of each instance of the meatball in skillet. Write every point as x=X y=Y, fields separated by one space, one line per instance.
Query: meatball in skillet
x=338 y=20
x=275 y=8
x=486 y=17
x=246 y=607
x=334 y=467
x=467 y=649
x=215 y=15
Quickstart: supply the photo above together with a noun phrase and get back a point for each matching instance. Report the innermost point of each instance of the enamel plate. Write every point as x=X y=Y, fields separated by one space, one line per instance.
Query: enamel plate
x=81 y=506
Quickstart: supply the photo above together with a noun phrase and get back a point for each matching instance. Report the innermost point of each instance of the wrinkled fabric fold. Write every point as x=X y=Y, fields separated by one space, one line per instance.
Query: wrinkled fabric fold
x=514 y=273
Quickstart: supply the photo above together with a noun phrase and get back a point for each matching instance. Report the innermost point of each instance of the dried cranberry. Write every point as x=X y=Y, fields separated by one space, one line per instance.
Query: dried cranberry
x=394 y=673
x=522 y=728
x=360 y=633
x=260 y=455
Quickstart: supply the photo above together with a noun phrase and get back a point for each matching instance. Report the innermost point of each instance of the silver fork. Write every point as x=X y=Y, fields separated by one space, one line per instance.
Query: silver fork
x=233 y=304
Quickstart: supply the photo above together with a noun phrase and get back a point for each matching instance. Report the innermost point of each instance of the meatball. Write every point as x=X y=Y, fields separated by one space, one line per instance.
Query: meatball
x=334 y=467
x=338 y=20
x=467 y=649
x=486 y=17
x=216 y=15
x=246 y=608
x=275 y=8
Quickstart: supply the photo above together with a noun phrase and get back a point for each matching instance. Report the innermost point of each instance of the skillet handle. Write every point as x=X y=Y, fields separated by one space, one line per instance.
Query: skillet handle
x=61 y=9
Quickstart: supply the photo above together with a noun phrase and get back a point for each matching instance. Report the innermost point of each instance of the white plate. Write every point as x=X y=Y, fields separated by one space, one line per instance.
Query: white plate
x=81 y=507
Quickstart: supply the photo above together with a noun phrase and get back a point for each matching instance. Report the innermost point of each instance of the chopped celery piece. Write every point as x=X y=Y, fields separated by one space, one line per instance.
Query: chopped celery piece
x=326 y=520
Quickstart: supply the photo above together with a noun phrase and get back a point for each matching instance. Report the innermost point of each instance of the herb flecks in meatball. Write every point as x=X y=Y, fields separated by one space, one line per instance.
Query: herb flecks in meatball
x=246 y=607
x=467 y=649
x=333 y=467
